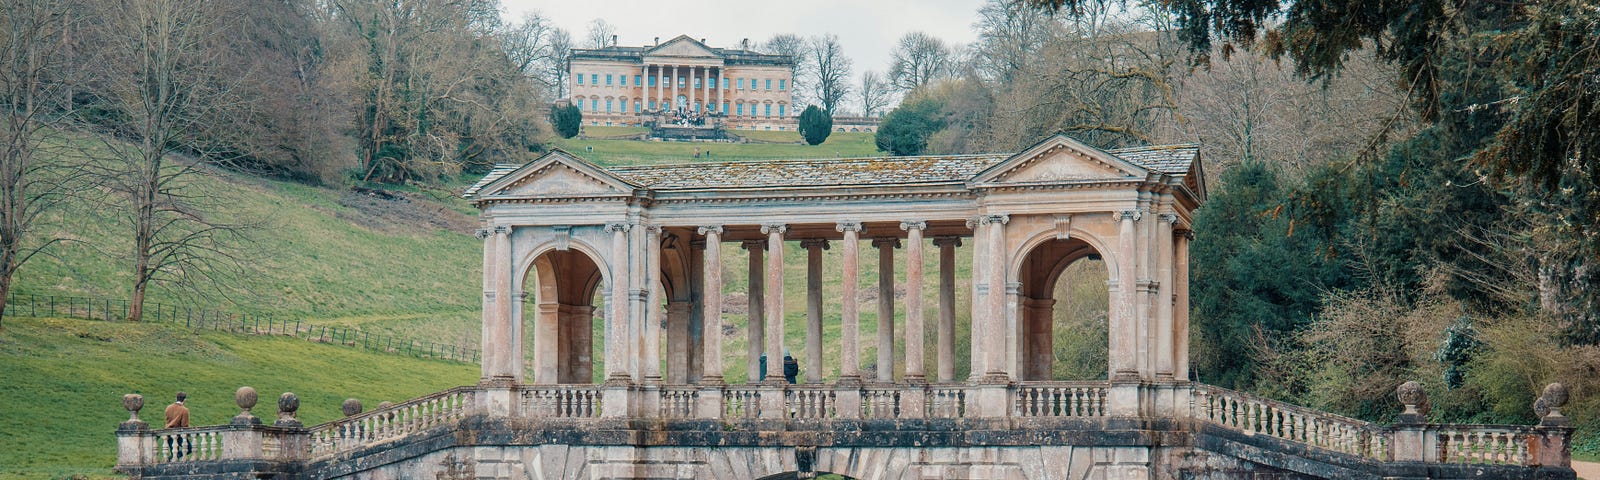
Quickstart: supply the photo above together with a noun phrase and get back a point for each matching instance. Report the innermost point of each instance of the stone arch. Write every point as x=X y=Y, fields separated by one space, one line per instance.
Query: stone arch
x=561 y=285
x=1038 y=270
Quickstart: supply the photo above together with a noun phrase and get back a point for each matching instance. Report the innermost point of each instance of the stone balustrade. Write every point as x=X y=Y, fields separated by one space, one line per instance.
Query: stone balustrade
x=377 y=426
x=1262 y=416
x=1247 y=415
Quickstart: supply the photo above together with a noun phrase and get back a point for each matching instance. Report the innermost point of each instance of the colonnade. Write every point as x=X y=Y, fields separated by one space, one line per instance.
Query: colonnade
x=710 y=77
x=766 y=309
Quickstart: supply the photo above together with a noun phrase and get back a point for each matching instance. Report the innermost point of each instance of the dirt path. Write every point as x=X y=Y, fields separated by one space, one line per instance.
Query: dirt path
x=1588 y=470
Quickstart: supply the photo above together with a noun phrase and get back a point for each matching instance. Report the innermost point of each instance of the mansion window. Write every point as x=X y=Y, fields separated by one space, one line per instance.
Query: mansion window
x=780 y=107
x=608 y=79
x=594 y=104
x=594 y=79
x=741 y=109
x=769 y=84
x=635 y=106
x=782 y=85
x=608 y=105
x=724 y=107
x=741 y=84
x=769 y=109
x=580 y=78
x=638 y=80
x=724 y=84
x=652 y=104
x=681 y=83
x=652 y=80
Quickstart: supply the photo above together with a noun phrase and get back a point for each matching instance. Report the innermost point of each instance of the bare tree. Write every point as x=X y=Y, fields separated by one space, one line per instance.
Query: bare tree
x=1008 y=33
x=919 y=59
x=560 y=53
x=874 y=93
x=158 y=67
x=794 y=47
x=600 y=33
x=830 y=71
x=31 y=98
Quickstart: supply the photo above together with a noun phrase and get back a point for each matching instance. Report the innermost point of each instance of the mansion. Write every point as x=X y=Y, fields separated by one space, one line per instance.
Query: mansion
x=630 y=86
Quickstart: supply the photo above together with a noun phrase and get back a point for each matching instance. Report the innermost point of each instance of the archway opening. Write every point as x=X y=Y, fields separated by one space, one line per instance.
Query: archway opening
x=565 y=330
x=1064 y=313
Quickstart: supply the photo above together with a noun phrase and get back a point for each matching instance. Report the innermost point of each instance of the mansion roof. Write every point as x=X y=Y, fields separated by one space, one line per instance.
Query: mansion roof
x=1179 y=162
x=681 y=45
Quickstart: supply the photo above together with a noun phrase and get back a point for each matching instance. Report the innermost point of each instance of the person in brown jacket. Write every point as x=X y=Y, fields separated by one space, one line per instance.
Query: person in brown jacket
x=177 y=414
x=178 y=417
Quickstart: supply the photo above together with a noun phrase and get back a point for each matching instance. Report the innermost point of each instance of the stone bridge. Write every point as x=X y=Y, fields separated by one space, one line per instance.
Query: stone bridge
x=636 y=253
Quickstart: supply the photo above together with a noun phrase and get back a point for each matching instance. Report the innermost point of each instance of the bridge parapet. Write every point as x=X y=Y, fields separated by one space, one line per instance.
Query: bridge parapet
x=950 y=411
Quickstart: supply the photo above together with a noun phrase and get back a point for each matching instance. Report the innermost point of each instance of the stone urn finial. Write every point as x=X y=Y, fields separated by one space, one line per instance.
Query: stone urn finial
x=1415 y=399
x=1549 y=404
x=351 y=407
x=245 y=398
x=133 y=402
x=288 y=404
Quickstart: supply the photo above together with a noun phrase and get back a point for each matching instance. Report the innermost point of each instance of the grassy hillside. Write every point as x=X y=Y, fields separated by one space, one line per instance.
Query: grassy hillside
x=630 y=152
x=64 y=379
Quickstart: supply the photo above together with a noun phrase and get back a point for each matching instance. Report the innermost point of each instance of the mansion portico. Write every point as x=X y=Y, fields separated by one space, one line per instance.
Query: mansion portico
x=626 y=86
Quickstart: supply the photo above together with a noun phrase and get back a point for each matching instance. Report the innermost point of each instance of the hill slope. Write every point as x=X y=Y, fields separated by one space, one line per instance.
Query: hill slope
x=64 y=379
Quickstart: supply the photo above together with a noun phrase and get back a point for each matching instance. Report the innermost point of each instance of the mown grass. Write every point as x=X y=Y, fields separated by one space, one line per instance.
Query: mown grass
x=64 y=380
x=633 y=152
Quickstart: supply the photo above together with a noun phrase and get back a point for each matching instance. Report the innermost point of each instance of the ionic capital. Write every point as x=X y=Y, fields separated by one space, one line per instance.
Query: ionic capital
x=886 y=242
x=1169 y=218
x=950 y=241
x=1001 y=219
x=481 y=233
x=848 y=226
x=1134 y=215
x=771 y=228
x=617 y=227
x=908 y=225
x=502 y=229
x=814 y=243
x=710 y=229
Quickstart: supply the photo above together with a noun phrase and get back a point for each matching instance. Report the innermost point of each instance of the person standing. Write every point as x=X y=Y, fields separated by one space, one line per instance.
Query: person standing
x=177 y=414
x=791 y=368
x=178 y=417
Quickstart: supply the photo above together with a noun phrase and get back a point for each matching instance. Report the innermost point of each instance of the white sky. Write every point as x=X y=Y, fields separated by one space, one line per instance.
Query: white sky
x=867 y=28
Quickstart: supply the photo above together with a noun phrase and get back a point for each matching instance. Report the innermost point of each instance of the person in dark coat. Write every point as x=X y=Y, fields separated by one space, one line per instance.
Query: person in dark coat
x=791 y=368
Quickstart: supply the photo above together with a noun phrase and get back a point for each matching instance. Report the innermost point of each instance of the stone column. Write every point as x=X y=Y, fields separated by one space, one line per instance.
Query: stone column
x=490 y=269
x=546 y=341
x=1124 y=365
x=505 y=369
x=674 y=98
x=886 y=248
x=995 y=354
x=677 y=343
x=947 y=307
x=755 y=333
x=580 y=359
x=721 y=94
x=849 y=313
x=690 y=85
x=1039 y=345
x=705 y=89
x=814 y=248
x=774 y=301
x=653 y=310
x=980 y=294
x=914 y=327
x=1165 y=352
x=1180 y=307
x=712 y=306
x=617 y=317
x=638 y=299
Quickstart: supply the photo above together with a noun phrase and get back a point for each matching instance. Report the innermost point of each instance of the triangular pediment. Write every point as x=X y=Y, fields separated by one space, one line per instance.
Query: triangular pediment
x=1059 y=159
x=681 y=46
x=557 y=174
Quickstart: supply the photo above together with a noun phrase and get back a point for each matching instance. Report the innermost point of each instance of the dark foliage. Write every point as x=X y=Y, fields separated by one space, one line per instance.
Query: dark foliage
x=566 y=119
x=815 y=125
x=905 y=130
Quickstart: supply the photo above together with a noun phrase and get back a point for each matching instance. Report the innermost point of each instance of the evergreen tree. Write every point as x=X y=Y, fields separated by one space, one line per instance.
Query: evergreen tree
x=566 y=120
x=906 y=129
x=815 y=125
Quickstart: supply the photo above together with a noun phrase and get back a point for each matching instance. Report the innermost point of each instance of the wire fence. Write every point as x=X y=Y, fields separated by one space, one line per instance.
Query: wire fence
x=117 y=310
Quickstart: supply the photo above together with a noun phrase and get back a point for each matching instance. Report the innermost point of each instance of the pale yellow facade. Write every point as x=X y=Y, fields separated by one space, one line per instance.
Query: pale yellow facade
x=626 y=86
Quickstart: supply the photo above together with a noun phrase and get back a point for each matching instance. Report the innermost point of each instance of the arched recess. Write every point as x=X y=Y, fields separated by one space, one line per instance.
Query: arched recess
x=562 y=288
x=681 y=340
x=1047 y=287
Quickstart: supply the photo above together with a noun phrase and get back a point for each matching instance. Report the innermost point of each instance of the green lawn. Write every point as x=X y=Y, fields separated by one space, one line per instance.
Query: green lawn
x=64 y=379
x=632 y=152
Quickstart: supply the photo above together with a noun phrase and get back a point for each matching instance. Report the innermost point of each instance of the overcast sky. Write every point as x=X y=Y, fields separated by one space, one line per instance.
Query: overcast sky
x=867 y=28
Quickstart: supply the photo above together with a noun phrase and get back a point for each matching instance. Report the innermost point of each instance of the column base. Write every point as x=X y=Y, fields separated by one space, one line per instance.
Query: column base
x=914 y=380
x=712 y=381
x=996 y=378
x=618 y=380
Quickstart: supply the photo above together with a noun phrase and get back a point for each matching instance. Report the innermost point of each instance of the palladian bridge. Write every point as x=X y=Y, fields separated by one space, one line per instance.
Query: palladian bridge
x=641 y=248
